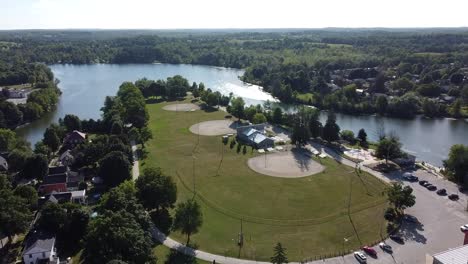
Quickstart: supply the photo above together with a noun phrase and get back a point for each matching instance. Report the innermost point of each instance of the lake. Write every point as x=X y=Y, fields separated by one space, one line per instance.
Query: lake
x=84 y=88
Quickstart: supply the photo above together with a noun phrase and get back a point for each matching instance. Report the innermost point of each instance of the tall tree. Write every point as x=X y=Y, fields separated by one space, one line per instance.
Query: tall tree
x=301 y=133
x=331 y=131
x=156 y=190
x=72 y=122
x=188 y=218
x=279 y=255
x=35 y=167
x=278 y=116
x=116 y=235
x=51 y=139
x=400 y=197
x=237 y=107
x=15 y=215
x=28 y=193
x=53 y=217
x=388 y=148
x=362 y=136
x=315 y=125
x=457 y=163
x=114 y=168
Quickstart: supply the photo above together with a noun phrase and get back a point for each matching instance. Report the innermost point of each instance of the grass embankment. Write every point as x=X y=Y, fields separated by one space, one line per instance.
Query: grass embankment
x=308 y=215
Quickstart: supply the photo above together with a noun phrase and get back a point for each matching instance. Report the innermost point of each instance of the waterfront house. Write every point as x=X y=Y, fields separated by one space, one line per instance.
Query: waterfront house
x=74 y=138
x=254 y=135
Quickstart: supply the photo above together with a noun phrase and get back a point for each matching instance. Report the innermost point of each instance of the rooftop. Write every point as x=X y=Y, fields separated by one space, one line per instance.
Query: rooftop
x=457 y=255
x=38 y=241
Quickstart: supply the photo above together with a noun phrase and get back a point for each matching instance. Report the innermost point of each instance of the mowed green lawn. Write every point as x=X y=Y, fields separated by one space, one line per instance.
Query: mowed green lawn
x=308 y=215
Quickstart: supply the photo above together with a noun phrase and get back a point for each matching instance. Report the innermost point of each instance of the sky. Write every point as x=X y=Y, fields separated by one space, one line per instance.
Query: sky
x=178 y=14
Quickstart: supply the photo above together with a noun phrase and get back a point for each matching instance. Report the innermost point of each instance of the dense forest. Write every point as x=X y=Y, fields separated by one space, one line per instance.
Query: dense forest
x=393 y=72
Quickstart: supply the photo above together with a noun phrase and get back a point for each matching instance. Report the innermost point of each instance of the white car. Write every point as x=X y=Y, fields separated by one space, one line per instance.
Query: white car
x=464 y=228
x=360 y=257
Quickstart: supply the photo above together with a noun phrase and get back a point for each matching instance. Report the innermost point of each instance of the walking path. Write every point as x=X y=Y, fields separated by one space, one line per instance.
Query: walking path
x=136 y=165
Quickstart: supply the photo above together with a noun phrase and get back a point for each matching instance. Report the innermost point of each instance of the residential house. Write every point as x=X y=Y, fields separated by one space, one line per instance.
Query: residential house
x=254 y=135
x=74 y=138
x=65 y=197
x=3 y=164
x=66 y=159
x=60 y=179
x=39 y=247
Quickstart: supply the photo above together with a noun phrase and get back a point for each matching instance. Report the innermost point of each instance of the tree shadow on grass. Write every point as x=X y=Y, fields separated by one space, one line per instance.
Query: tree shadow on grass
x=182 y=254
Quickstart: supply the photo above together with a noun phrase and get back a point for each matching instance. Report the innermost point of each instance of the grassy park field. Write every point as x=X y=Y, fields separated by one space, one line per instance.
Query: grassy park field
x=311 y=216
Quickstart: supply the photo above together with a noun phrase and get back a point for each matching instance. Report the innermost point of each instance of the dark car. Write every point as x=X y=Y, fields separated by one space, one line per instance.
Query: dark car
x=397 y=238
x=453 y=197
x=431 y=187
x=442 y=192
x=423 y=183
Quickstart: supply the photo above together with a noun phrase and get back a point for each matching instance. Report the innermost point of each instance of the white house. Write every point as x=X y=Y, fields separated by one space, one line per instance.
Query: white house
x=40 y=247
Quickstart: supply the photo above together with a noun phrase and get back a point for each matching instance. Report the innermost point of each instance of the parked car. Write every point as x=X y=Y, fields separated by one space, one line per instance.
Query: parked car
x=397 y=238
x=464 y=228
x=369 y=250
x=360 y=257
x=431 y=187
x=385 y=247
x=442 y=192
x=453 y=197
x=423 y=182
x=409 y=177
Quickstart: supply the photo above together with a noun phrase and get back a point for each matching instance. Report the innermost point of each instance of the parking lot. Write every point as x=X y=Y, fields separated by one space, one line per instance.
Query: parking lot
x=436 y=229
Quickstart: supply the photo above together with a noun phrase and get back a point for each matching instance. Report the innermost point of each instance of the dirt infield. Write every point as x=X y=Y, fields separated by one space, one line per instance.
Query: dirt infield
x=214 y=128
x=285 y=164
x=181 y=107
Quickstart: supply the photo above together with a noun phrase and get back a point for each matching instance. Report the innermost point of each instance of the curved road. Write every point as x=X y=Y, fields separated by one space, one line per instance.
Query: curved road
x=436 y=227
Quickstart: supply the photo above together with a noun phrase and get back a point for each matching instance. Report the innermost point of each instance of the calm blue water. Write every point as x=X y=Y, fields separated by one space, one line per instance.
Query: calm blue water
x=85 y=87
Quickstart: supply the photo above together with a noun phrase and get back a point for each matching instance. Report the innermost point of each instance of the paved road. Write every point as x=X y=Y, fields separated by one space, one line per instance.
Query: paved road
x=436 y=227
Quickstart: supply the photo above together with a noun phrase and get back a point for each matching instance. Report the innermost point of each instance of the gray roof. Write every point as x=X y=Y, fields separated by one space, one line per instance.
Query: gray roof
x=38 y=241
x=457 y=255
x=3 y=163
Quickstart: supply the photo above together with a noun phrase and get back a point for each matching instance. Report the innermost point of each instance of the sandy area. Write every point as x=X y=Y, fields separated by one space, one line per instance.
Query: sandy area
x=181 y=107
x=285 y=164
x=214 y=128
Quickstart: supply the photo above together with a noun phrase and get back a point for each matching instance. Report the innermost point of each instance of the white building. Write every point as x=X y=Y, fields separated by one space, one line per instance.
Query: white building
x=457 y=255
x=40 y=248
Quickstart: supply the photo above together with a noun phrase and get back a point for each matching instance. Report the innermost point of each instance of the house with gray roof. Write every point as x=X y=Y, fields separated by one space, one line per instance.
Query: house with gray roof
x=39 y=247
x=254 y=135
x=3 y=164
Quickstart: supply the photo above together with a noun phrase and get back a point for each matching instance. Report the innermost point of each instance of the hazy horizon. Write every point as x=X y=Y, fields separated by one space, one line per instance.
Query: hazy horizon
x=241 y=14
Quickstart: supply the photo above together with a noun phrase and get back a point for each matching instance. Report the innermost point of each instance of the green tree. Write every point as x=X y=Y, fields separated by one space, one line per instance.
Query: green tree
x=15 y=215
x=13 y=116
x=455 y=108
x=362 y=136
x=7 y=140
x=114 y=168
x=457 y=162
x=301 y=133
x=315 y=125
x=188 y=218
x=348 y=135
x=52 y=218
x=381 y=104
x=331 y=131
x=277 y=116
x=28 y=193
x=400 y=197
x=116 y=235
x=72 y=122
x=145 y=135
x=237 y=107
x=51 y=139
x=156 y=190
x=16 y=160
x=388 y=148
x=35 y=167
x=279 y=255
x=259 y=118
